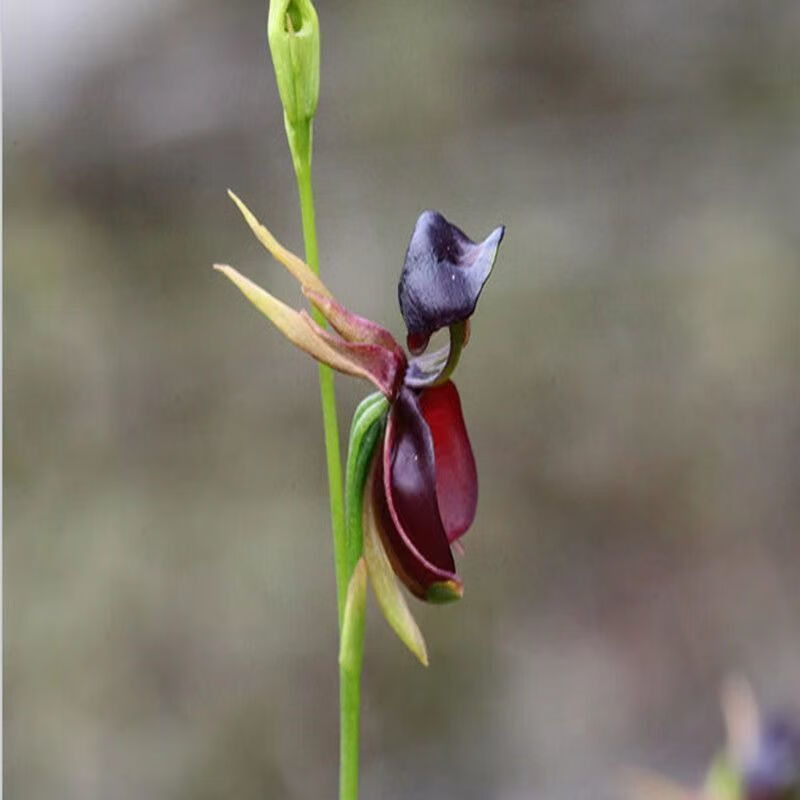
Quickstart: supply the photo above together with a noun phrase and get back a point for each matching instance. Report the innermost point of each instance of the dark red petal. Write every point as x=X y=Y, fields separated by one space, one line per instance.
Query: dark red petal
x=456 y=475
x=442 y=277
x=414 y=537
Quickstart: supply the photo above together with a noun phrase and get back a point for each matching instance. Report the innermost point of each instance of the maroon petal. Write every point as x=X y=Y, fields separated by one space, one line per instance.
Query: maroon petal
x=442 y=277
x=352 y=326
x=456 y=475
x=385 y=368
x=405 y=497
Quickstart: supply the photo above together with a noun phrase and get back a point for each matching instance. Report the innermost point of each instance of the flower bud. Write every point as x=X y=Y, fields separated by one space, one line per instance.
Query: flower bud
x=293 y=32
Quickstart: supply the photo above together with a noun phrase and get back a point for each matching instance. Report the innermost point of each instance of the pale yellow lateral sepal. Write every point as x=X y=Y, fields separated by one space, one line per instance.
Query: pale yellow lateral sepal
x=292 y=324
x=293 y=263
x=388 y=593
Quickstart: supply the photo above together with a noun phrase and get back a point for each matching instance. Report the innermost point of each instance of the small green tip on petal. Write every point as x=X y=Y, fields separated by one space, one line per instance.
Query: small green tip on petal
x=296 y=326
x=444 y=592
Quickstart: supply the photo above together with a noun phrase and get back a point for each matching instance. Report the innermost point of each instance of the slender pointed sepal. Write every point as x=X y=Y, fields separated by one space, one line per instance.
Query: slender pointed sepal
x=294 y=264
x=303 y=332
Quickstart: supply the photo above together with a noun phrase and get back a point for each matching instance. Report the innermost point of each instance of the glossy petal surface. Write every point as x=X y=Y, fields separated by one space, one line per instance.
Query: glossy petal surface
x=405 y=499
x=442 y=277
x=456 y=474
x=382 y=575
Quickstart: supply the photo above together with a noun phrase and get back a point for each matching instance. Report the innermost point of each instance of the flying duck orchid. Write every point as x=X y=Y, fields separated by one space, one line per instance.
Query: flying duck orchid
x=410 y=457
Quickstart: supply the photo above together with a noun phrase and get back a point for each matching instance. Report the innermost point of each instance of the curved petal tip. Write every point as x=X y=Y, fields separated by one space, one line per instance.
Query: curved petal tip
x=445 y=592
x=443 y=275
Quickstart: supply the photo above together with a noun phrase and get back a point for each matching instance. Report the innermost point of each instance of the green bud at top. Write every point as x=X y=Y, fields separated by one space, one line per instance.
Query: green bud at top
x=293 y=32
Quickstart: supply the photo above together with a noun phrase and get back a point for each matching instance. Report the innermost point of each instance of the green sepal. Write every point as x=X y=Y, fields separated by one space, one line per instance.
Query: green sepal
x=365 y=431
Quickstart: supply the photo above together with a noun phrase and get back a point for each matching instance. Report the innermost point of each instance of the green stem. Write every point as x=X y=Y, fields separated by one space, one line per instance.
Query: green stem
x=364 y=435
x=350 y=673
x=349 y=715
x=330 y=421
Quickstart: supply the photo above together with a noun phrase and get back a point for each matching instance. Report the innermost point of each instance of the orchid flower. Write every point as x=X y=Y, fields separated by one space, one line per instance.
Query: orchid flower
x=760 y=760
x=420 y=485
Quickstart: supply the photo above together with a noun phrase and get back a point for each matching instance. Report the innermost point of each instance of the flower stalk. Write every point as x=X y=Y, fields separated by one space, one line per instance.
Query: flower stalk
x=293 y=32
x=410 y=487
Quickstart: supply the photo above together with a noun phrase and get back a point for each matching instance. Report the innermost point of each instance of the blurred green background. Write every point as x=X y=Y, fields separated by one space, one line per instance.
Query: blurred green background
x=632 y=389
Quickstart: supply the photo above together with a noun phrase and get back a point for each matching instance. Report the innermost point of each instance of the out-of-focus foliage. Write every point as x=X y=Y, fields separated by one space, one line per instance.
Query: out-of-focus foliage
x=632 y=390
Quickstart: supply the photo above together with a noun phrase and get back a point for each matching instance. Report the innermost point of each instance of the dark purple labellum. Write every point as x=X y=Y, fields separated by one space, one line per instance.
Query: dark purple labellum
x=442 y=277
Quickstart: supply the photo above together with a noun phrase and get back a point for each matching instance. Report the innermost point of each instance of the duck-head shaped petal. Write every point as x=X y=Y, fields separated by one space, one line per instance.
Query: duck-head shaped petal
x=442 y=277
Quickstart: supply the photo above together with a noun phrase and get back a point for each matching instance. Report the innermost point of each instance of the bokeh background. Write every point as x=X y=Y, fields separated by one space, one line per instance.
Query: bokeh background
x=632 y=389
